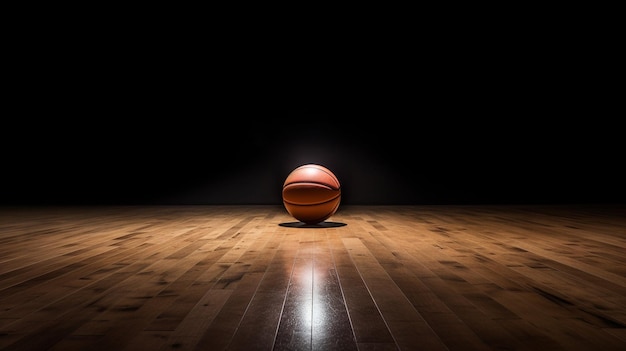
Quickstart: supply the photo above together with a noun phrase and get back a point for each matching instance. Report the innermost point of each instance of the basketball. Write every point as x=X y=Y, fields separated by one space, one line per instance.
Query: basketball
x=311 y=193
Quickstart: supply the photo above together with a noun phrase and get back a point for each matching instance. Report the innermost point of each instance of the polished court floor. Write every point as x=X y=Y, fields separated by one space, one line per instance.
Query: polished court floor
x=369 y=278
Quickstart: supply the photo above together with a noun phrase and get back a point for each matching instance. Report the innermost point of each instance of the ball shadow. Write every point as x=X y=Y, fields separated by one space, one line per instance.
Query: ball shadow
x=317 y=225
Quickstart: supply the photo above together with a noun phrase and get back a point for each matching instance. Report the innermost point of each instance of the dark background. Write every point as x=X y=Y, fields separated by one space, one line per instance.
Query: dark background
x=498 y=112
x=382 y=154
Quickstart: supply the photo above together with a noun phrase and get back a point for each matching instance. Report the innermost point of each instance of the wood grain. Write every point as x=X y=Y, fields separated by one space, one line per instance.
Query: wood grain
x=390 y=278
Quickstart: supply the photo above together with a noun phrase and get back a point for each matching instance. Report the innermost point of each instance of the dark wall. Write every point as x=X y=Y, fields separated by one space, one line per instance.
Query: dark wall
x=500 y=111
x=381 y=153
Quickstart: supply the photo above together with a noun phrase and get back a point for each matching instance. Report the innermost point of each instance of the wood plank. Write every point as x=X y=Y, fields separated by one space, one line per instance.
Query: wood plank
x=331 y=327
x=368 y=326
x=406 y=325
x=295 y=325
x=393 y=278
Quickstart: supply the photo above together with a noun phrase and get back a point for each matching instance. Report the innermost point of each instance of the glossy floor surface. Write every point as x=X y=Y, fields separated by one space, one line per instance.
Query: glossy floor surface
x=369 y=278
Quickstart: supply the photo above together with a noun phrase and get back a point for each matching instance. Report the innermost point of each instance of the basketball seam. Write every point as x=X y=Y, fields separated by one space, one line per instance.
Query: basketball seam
x=319 y=168
x=332 y=175
x=321 y=218
x=325 y=216
x=313 y=204
x=335 y=194
x=313 y=182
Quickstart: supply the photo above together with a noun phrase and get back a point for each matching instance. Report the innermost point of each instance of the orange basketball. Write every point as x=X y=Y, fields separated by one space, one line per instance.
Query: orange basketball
x=311 y=193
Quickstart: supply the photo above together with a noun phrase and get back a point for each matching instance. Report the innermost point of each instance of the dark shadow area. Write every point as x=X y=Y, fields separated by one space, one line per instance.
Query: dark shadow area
x=318 y=225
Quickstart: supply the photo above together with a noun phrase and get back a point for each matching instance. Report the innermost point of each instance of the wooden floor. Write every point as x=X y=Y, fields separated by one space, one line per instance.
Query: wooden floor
x=370 y=278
